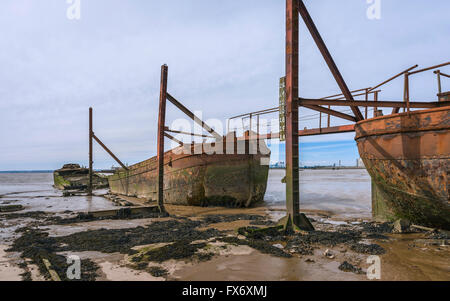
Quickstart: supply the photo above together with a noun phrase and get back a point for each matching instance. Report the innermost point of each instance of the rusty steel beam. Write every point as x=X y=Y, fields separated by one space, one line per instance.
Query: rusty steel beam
x=330 y=112
x=90 y=184
x=429 y=68
x=337 y=95
x=374 y=104
x=360 y=94
x=394 y=77
x=192 y=116
x=161 y=127
x=108 y=151
x=306 y=132
x=174 y=139
x=188 y=134
x=441 y=73
x=292 y=143
x=328 y=58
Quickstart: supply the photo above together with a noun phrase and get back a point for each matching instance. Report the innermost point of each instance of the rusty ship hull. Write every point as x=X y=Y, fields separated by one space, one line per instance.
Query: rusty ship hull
x=408 y=155
x=74 y=177
x=196 y=178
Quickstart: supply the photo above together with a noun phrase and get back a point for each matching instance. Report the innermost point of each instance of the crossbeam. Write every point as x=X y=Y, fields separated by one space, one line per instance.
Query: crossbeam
x=374 y=104
x=330 y=112
x=305 y=133
x=174 y=139
x=188 y=134
x=109 y=151
x=191 y=115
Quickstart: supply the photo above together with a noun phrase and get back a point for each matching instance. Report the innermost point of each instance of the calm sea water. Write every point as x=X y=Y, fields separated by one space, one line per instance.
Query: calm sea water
x=342 y=191
x=346 y=192
x=35 y=192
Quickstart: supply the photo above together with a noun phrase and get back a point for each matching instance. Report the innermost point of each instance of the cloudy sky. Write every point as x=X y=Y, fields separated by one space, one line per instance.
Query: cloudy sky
x=224 y=57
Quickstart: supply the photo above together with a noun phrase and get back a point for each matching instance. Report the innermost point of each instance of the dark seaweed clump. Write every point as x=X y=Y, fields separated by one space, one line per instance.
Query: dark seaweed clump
x=157 y=271
x=218 y=218
x=37 y=245
x=260 y=245
x=372 y=249
x=329 y=239
x=123 y=240
x=347 y=267
x=377 y=228
x=46 y=218
x=177 y=250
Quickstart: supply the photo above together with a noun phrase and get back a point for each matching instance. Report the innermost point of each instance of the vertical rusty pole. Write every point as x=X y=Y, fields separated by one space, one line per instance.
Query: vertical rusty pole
x=294 y=220
x=91 y=134
x=320 y=122
x=438 y=72
x=407 y=92
x=366 y=115
x=375 y=99
x=329 y=117
x=161 y=129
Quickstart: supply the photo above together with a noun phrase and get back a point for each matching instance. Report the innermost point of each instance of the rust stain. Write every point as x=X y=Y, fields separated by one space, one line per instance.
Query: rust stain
x=408 y=159
x=226 y=179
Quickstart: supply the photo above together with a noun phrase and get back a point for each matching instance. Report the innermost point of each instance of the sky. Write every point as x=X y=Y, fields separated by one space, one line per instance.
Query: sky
x=225 y=58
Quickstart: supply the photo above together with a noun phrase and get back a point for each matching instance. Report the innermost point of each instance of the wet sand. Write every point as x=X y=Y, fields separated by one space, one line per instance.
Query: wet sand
x=408 y=256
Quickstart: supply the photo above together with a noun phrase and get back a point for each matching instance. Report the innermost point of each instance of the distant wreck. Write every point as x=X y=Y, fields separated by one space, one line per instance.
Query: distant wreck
x=75 y=177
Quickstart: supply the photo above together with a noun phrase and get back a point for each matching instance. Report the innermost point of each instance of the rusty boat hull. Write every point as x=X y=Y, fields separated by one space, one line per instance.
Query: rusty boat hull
x=195 y=178
x=408 y=156
x=75 y=177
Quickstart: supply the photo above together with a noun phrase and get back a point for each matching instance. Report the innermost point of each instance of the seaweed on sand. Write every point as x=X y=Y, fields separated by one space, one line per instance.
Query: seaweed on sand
x=123 y=240
x=37 y=245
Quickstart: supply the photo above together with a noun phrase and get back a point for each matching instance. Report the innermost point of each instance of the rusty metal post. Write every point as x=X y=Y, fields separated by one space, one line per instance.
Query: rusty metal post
x=375 y=99
x=438 y=72
x=407 y=92
x=292 y=148
x=366 y=115
x=320 y=121
x=294 y=219
x=161 y=136
x=90 y=184
x=329 y=117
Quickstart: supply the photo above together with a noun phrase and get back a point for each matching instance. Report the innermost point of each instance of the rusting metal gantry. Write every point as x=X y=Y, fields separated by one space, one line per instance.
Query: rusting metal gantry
x=294 y=8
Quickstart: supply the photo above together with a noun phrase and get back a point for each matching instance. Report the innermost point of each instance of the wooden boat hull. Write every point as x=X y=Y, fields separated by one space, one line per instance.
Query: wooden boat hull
x=407 y=156
x=198 y=179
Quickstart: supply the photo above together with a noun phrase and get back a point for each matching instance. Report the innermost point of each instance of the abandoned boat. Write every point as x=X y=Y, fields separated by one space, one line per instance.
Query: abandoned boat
x=75 y=177
x=194 y=177
x=408 y=158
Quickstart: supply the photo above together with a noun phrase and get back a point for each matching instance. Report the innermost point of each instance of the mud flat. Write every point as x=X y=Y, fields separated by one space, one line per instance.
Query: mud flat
x=207 y=243
x=197 y=243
